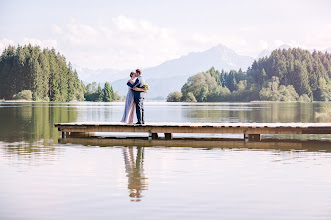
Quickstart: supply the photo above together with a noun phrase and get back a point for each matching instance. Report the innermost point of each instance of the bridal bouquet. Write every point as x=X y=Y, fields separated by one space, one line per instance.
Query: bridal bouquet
x=146 y=86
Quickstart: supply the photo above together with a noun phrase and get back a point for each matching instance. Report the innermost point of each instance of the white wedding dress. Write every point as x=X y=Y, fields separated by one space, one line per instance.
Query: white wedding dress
x=130 y=107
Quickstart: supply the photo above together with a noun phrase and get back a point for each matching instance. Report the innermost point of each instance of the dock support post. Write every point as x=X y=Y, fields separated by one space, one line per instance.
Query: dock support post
x=64 y=134
x=252 y=137
x=154 y=136
x=168 y=136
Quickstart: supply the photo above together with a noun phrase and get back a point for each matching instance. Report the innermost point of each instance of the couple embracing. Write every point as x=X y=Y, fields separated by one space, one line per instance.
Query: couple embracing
x=135 y=98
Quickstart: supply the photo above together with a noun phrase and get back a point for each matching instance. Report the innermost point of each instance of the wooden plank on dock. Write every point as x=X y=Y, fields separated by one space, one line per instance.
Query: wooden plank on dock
x=172 y=127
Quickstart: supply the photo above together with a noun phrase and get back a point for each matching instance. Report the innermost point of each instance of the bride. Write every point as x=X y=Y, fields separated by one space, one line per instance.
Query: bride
x=130 y=105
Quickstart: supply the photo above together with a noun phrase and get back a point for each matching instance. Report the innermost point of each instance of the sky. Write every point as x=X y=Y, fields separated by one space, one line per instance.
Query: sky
x=130 y=34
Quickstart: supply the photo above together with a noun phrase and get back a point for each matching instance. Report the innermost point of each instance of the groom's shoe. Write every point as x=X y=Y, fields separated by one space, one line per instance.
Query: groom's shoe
x=139 y=123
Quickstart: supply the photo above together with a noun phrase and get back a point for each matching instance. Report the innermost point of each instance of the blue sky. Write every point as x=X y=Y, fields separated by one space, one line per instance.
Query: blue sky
x=127 y=34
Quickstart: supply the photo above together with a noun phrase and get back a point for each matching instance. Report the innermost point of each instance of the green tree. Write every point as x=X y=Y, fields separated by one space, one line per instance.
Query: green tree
x=230 y=81
x=107 y=93
x=44 y=72
x=263 y=75
x=25 y=94
x=117 y=97
x=100 y=93
x=174 y=97
x=301 y=80
x=190 y=97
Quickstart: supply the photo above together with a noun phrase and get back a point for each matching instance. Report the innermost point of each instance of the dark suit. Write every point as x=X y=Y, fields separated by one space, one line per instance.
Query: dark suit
x=139 y=98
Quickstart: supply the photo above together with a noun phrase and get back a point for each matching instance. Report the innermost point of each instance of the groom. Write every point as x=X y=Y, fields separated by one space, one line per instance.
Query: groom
x=139 y=96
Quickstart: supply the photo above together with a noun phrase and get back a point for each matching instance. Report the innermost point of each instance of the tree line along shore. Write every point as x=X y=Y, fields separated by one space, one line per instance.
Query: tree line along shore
x=29 y=73
x=286 y=75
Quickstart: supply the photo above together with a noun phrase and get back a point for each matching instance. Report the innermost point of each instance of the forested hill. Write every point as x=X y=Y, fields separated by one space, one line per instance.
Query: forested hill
x=286 y=75
x=44 y=72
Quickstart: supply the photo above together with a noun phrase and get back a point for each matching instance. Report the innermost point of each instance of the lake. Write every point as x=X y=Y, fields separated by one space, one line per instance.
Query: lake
x=46 y=177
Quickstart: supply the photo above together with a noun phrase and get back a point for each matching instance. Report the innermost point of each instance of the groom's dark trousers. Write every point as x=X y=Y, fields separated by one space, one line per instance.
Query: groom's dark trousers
x=139 y=100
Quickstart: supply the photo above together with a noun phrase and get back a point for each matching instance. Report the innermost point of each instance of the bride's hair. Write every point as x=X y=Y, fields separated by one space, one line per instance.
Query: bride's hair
x=131 y=74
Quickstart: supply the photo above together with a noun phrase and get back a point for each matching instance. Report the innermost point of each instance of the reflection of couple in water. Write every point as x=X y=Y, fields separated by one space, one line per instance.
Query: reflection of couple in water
x=135 y=172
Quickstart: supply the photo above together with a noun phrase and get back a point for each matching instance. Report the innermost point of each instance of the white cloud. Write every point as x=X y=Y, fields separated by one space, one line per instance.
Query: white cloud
x=56 y=29
x=122 y=44
x=263 y=45
x=35 y=42
x=294 y=43
x=125 y=24
x=266 y=45
x=200 y=42
x=276 y=43
x=107 y=32
x=42 y=43
x=320 y=39
x=248 y=29
x=5 y=43
x=80 y=30
x=129 y=43
x=77 y=34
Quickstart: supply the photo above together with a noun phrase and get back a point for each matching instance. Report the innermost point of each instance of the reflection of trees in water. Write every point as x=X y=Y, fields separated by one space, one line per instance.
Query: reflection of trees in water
x=27 y=130
x=31 y=154
x=224 y=112
x=292 y=112
x=257 y=112
x=97 y=112
x=33 y=122
x=135 y=172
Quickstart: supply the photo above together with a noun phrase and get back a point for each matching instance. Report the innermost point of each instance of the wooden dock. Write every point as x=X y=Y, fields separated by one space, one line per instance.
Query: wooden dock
x=251 y=131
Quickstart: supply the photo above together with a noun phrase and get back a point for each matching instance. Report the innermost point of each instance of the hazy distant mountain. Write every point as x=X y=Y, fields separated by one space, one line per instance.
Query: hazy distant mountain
x=157 y=87
x=327 y=50
x=101 y=75
x=266 y=52
x=220 y=57
x=171 y=75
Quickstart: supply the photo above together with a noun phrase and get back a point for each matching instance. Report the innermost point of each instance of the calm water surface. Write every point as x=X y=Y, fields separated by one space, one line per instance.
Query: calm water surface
x=44 y=177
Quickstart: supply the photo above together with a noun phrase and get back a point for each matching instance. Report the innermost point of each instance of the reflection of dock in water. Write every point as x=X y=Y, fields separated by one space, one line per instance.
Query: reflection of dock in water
x=204 y=143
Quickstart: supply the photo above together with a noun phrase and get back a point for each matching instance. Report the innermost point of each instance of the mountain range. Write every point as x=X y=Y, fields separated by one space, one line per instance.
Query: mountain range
x=267 y=52
x=172 y=74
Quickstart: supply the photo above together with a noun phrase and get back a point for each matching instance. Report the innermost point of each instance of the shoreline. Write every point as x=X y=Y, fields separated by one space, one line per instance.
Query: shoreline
x=19 y=100
x=24 y=100
x=255 y=101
